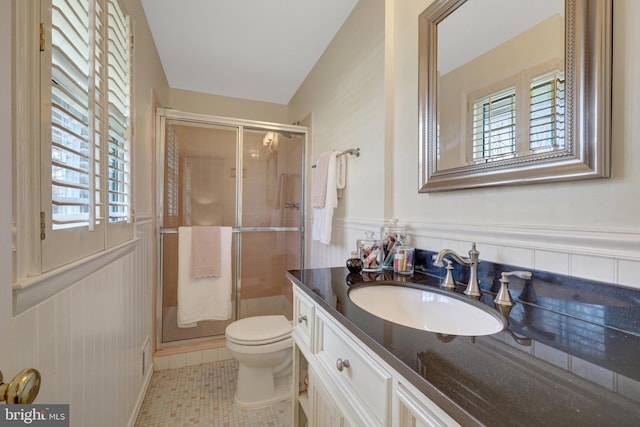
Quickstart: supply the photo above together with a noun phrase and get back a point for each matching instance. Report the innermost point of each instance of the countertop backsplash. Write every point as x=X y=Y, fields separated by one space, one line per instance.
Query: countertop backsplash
x=577 y=297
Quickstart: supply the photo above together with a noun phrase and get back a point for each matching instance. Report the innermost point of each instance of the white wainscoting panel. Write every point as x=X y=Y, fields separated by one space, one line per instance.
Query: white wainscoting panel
x=608 y=256
x=86 y=339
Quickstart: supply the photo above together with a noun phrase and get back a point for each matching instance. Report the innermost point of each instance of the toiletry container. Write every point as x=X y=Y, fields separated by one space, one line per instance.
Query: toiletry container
x=370 y=252
x=403 y=259
x=392 y=235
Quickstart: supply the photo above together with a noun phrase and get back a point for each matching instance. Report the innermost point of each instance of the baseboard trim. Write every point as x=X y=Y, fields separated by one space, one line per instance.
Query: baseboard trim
x=168 y=349
x=141 y=395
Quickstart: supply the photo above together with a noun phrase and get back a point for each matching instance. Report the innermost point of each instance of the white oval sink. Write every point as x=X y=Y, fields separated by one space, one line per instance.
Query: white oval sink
x=429 y=310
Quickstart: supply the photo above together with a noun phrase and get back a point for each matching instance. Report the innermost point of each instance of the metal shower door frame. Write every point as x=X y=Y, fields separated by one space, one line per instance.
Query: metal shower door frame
x=164 y=114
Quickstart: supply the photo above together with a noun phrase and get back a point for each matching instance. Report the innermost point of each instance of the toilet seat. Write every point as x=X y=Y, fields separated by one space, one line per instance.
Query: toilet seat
x=259 y=330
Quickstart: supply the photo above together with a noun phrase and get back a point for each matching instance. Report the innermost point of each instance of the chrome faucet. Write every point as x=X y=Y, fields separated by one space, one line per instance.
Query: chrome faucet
x=473 y=287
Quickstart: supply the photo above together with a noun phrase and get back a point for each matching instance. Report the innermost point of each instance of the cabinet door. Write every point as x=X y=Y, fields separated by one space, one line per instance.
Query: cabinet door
x=419 y=412
x=301 y=406
x=409 y=418
x=324 y=412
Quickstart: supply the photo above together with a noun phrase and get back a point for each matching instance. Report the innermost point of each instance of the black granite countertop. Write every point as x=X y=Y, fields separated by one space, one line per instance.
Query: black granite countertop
x=560 y=361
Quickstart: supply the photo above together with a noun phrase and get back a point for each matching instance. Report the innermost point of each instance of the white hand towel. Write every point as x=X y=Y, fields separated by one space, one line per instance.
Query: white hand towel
x=207 y=298
x=323 y=217
x=319 y=189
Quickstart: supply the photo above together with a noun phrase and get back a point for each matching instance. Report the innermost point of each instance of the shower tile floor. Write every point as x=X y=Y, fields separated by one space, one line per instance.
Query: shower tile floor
x=202 y=395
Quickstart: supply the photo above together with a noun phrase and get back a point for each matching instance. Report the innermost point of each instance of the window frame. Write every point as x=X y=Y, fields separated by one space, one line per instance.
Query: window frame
x=28 y=171
x=484 y=122
x=31 y=284
x=522 y=82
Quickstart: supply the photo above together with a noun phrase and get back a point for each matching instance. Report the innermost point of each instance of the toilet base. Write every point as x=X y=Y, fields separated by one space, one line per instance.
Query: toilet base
x=258 y=388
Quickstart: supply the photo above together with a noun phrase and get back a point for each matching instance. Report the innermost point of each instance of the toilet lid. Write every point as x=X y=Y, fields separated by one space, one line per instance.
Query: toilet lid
x=259 y=330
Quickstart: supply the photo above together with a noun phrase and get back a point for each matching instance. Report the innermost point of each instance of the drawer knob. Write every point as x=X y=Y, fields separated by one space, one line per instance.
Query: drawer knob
x=302 y=318
x=341 y=364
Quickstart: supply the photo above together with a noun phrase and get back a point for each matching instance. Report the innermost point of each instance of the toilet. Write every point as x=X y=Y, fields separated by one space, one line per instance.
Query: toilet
x=263 y=347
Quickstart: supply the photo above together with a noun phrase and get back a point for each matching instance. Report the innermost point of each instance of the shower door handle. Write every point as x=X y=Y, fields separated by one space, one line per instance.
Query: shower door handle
x=292 y=205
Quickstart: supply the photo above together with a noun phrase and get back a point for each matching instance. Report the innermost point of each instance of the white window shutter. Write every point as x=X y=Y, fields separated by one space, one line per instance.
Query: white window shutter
x=85 y=88
x=547 y=111
x=119 y=78
x=494 y=126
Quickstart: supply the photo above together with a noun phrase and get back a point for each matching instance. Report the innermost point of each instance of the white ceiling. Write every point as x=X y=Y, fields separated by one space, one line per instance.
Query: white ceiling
x=251 y=49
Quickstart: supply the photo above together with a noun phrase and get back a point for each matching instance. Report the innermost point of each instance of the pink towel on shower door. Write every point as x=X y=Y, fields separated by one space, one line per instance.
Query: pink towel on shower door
x=205 y=252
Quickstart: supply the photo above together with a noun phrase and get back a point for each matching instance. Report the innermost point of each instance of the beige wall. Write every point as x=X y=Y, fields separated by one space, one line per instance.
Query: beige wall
x=610 y=204
x=196 y=102
x=583 y=228
x=151 y=89
x=344 y=94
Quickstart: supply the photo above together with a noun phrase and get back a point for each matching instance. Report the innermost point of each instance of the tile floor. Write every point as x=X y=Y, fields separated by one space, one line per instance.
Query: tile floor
x=202 y=395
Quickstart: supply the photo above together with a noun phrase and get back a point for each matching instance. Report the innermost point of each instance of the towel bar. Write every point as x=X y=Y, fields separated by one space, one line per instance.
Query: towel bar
x=352 y=151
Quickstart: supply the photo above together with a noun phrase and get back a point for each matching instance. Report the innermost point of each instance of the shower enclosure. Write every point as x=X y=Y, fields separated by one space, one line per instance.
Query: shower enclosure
x=214 y=171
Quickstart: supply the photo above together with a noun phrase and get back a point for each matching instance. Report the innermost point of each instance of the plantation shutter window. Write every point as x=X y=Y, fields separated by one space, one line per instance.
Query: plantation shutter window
x=546 y=122
x=173 y=171
x=519 y=116
x=71 y=119
x=86 y=137
x=494 y=126
x=119 y=79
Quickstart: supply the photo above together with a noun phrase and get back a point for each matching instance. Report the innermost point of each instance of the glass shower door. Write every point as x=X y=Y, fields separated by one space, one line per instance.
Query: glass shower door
x=199 y=190
x=271 y=220
x=225 y=173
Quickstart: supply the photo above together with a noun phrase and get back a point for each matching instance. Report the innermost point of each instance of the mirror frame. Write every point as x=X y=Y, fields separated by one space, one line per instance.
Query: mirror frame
x=588 y=64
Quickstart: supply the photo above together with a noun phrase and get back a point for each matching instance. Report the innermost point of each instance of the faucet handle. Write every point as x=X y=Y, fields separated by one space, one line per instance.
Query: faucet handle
x=526 y=275
x=449 y=283
x=504 y=297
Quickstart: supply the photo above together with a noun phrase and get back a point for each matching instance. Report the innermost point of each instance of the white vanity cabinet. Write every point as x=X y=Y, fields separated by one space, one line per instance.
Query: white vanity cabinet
x=348 y=384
